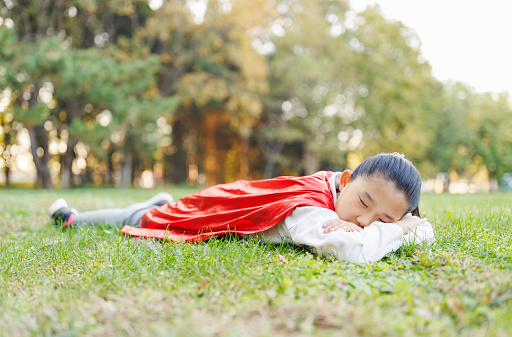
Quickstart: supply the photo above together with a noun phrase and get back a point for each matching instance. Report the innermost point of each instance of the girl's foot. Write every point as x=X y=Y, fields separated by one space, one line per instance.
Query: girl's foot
x=157 y=200
x=60 y=212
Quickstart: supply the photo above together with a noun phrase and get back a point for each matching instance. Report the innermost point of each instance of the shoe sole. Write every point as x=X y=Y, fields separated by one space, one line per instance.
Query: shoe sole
x=55 y=206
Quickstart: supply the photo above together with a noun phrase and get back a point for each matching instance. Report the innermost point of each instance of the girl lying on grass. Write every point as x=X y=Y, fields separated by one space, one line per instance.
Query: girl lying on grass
x=356 y=216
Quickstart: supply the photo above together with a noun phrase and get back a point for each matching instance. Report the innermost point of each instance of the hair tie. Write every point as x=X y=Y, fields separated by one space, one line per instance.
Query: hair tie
x=398 y=154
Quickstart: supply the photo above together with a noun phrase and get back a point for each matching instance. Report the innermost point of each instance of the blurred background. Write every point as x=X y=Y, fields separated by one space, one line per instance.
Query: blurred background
x=150 y=93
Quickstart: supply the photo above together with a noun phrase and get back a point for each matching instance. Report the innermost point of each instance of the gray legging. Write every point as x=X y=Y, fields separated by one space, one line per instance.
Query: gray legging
x=114 y=217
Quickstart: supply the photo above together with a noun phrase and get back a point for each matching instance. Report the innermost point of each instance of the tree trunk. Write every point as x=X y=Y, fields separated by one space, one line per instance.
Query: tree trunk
x=110 y=167
x=39 y=139
x=211 y=148
x=67 y=162
x=272 y=150
x=7 y=170
x=269 y=168
x=41 y=22
x=72 y=112
x=311 y=164
x=244 y=158
x=126 y=166
x=446 y=182
x=271 y=145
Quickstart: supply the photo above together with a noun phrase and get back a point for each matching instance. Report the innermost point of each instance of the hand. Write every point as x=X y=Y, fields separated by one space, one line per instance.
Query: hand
x=337 y=224
x=409 y=222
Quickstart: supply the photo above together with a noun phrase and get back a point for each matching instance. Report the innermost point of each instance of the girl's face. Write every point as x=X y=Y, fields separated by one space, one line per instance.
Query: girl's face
x=368 y=199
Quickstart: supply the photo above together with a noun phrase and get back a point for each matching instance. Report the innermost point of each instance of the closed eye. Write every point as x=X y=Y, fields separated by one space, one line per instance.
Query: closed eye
x=363 y=202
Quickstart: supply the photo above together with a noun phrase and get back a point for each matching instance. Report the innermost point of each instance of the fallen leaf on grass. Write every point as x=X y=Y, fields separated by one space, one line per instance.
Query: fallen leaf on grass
x=324 y=322
x=202 y=284
x=455 y=305
x=282 y=259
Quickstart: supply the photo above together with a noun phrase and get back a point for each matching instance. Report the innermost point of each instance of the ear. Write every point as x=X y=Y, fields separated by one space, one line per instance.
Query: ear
x=345 y=177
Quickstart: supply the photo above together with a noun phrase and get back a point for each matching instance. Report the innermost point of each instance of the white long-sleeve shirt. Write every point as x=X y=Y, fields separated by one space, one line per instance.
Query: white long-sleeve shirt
x=304 y=227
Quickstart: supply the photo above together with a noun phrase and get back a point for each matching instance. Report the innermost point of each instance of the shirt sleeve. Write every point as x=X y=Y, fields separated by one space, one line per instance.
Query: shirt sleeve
x=304 y=227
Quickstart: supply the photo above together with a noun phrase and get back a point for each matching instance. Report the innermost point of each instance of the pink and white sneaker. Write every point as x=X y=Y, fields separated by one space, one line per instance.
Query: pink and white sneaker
x=60 y=212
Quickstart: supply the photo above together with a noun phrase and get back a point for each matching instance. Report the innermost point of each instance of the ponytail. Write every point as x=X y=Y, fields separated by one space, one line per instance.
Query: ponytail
x=416 y=212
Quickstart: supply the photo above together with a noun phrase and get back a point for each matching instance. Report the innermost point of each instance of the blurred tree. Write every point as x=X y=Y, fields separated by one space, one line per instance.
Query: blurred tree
x=311 y=82
x=396 y=88
x=49 y=33
x=491 y=118
x=309 y=73
x=8 y=134
x=27 y=66
x=209 y=62
x=81 y=24
x=111 y=94
x=472 y=131
x=450 y=149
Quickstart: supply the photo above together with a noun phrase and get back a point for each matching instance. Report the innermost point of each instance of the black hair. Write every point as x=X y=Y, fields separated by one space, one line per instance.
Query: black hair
x=399 y=170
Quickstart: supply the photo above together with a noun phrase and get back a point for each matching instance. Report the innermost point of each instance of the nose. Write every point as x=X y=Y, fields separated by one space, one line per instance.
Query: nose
x=364 y=220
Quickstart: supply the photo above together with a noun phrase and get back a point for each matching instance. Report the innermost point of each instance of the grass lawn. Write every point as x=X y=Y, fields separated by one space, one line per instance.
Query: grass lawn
x=97 y=282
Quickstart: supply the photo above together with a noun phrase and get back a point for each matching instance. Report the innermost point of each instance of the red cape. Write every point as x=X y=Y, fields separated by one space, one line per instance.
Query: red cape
x=243 y=207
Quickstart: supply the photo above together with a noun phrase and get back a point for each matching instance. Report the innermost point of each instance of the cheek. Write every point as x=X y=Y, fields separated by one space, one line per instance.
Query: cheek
x=338 y=208
x=344 y=209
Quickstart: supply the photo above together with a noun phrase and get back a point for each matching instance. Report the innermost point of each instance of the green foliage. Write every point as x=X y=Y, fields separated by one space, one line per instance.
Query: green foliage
x=309 y=72
x=289 y=87
x=399 y=95
x=8 y=55
x=472 y=131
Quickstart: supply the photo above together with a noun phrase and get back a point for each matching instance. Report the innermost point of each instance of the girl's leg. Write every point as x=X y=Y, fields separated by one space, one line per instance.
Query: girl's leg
x=113 y=217
x=132 y=215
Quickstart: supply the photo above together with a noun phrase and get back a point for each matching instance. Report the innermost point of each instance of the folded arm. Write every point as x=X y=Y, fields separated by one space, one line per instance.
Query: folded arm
x=305 y=227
